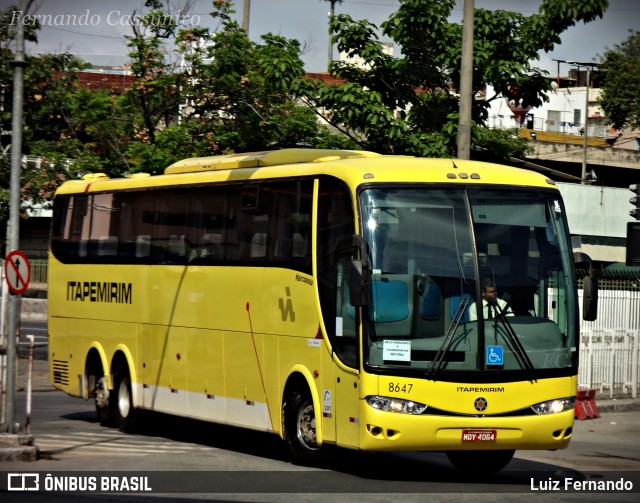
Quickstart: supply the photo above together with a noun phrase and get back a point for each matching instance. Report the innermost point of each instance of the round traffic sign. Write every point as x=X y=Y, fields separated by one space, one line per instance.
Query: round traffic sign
x=17 y=272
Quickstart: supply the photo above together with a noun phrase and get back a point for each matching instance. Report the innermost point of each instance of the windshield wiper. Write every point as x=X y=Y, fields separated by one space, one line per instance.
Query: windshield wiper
x=512 y=337
x=438 y=361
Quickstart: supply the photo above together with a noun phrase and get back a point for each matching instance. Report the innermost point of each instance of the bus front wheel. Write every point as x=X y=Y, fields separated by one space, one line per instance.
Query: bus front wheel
x=124 y=409
x=300 y=427
x=480 y=461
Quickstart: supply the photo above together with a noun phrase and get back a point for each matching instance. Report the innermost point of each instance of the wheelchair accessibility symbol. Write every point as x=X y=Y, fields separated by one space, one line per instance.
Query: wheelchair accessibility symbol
x=495 y=355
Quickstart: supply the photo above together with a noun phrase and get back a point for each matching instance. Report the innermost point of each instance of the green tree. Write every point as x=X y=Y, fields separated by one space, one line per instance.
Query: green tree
x=7 y=40
x=235 y=95
x=49 y=80
x=620 y=99
x=241 y=97
x=409 y=104
x=155 y=92
x=245 y=91
x=51 y=134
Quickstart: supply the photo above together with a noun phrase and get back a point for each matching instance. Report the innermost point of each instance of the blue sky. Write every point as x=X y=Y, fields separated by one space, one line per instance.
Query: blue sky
x=94 y=29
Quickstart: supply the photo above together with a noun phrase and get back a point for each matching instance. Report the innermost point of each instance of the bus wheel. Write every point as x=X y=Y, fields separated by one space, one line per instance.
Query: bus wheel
x=104 y=406
x=480 y=461
x=125 y=412
x=300 y=427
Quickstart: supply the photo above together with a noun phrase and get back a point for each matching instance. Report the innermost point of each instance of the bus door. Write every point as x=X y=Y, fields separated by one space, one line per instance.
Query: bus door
x=347 y=416
x=345 y=356
x=334 y=249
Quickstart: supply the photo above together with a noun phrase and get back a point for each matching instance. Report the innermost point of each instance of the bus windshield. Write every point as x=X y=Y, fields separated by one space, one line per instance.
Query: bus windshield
x=437 y=255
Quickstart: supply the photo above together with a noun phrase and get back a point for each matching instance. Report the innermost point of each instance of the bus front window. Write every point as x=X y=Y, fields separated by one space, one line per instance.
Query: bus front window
x=432 y=252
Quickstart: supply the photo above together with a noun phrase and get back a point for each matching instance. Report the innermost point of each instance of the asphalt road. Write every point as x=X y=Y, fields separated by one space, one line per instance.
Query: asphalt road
x=193 y=460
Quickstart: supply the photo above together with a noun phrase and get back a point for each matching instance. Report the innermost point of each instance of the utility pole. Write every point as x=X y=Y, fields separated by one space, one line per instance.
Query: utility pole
x=245 y=16
x=585 y=143
x=587 y=85
x=13 y=226
x=466 y=83
x=332 y=12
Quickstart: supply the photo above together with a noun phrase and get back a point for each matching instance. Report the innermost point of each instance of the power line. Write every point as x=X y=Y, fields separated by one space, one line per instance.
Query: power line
x=81 y=33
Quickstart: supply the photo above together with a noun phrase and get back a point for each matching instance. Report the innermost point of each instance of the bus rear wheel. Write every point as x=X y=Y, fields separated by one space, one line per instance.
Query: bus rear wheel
x=300 y=427
x=124 y=409
x=480 y=461
x=104 y=405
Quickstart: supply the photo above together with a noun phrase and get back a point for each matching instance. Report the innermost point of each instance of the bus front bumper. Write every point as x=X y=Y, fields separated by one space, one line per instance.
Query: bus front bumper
x=393 y=431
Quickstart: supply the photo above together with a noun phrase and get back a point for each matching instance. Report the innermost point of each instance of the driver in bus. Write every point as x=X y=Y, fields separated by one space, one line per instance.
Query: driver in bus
x=492 y=306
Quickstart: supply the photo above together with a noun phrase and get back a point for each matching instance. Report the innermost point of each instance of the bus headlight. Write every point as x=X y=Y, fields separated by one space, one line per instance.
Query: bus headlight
x=389 y=404
x=554 y=406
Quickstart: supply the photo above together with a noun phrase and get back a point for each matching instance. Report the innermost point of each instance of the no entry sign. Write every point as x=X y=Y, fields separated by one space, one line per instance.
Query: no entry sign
x=17 y=270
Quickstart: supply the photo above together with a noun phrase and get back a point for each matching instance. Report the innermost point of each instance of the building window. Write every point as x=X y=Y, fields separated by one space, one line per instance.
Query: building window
x=577 y=117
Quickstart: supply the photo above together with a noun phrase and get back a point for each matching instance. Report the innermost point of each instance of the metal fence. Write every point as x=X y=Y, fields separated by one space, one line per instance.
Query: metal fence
x=39 y=274
x=610 y=346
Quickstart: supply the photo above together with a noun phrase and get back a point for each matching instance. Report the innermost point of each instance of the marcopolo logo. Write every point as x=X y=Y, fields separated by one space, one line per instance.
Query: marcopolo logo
x=480 y=404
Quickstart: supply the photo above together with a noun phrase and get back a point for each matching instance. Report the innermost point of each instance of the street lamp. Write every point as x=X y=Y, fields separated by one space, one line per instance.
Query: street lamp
x=589 y=67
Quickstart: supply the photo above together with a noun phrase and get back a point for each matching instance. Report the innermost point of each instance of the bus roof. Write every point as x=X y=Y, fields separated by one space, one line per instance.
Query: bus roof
x=352 y=166
x=263 y=159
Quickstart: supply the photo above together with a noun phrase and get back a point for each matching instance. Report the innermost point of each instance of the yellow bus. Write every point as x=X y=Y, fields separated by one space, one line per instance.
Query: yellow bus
x=328 y=297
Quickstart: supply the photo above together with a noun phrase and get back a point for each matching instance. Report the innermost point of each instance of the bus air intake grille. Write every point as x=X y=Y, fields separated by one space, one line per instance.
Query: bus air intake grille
x=60 y=372
x=527 y=411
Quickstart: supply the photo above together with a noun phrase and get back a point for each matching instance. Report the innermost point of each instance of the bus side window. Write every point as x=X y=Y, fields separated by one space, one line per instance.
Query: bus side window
x=143 y=246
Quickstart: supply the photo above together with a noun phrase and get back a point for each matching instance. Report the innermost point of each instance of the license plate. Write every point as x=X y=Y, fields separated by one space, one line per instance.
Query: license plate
x=478 y=435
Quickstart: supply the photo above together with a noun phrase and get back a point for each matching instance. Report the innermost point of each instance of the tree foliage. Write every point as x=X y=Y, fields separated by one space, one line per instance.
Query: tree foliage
x=409 y=104
x=155 y=91
x=198 y=91
x=49 y=81
x=195 y=92
x=620 y=98
x=234 y=95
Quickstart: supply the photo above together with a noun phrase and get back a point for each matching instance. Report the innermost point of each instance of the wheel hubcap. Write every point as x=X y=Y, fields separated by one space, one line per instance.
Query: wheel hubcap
x=307 y=427
x=102 y=394
x=124 y=403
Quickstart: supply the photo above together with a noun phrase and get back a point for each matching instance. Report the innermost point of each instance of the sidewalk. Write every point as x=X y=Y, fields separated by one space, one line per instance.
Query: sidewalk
x=39 y=376
x=23 y=447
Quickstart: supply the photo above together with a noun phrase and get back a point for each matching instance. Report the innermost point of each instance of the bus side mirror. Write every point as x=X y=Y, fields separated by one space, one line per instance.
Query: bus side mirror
x=589 y=287
x=633 y=244
x=590 y=298
x=359 y=277
x=358 y=285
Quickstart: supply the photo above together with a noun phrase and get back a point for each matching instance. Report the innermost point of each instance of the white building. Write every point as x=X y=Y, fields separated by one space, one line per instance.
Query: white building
x=563 y=113
x=597 y=215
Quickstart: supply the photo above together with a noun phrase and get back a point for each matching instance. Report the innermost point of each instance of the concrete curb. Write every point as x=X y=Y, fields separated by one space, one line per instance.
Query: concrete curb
x=618 y=405
x=18 y=447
